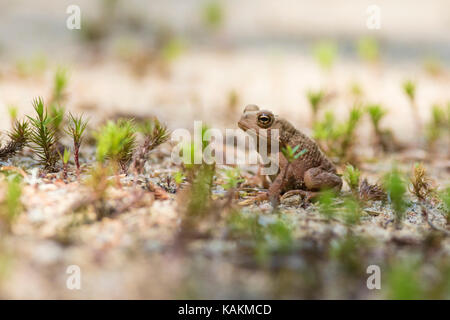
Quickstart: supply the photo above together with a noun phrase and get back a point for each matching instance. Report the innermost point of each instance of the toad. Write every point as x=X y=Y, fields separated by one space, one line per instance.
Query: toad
x=306 y=175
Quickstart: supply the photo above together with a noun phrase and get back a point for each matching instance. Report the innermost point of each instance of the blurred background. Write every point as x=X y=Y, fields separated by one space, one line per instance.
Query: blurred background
x=185 y=60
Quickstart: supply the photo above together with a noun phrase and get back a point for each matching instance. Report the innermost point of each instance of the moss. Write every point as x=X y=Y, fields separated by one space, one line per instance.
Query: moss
x=43 y=136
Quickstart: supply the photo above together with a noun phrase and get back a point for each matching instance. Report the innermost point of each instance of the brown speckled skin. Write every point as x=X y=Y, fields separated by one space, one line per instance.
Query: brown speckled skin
x=312 y=171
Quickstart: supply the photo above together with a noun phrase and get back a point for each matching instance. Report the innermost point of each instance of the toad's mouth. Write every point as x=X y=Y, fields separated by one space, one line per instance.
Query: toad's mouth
x=260 y=133
x=241 y=124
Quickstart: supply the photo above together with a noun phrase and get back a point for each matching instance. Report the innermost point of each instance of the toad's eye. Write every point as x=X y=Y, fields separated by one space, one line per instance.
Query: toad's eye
x=264 y=119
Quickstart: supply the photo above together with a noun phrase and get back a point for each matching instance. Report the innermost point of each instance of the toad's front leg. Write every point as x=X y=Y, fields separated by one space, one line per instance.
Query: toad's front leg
x=306 y=195
x=277 y=187
x=273 y=194
x=262 y=196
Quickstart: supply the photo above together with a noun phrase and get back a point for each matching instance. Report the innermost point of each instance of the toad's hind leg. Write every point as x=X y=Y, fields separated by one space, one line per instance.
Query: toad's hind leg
x=317 y=179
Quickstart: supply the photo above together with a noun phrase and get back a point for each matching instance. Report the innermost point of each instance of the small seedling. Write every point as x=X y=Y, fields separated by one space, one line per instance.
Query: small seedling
x=191 y=152
x=75 y=129
x=273 y=236
x=356 y=90
x=99 y=183
x=42 y=136
x=433 y=66
x=349 y=129
x=348 y=251
x=116 y=141
x=337 y=139
x=233 y=100
x=326 y=203
x=368 y=50
x=315 y=99
x=403 y=281
x=232 y=179
x=438 y=124
x=325 y=54
x=421 y=184
x=11 y=206
x=351 y=176
x=56 y=114
x=213 y=15
x=196 y=198
x=155 y=134
x=65 y=161
x=56 y=111
x=395 y=187
x=325 y=132
x=351 y=211
x=448 y=116
x=5 y=264
x=179 y=178
x=198 y=172
x=376 y=113
x=444 y=195
x=13 y=111
x=409 y=87
x=188 y=156
x=195 y=201
x=19 y=137
x=200 y=192
x=173 y=49
x=60 y=81
x=35 y=65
